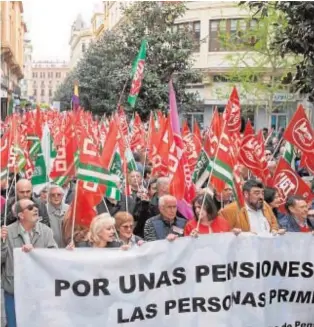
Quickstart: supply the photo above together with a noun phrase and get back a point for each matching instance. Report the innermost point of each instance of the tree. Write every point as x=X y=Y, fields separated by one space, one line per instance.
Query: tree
x=254 y=63
x=104 y=72
x=64 y=91
x=295 y=37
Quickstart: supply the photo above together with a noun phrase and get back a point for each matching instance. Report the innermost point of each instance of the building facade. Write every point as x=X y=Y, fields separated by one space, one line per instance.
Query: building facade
x=98 y=20
x=206 y=20
x=46 y=77
x=81 y=37
x=26 y=82
x=114 y=13
x=12 y=60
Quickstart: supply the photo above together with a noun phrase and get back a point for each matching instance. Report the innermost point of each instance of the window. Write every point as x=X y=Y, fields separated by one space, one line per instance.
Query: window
x=58 y=75
x=42 y=75
x=42 y=84
x=42 y=93
x=34 y=75
x=35 y=92
x=83 y=47
x=194 y=28
x=228 y=33
x=50 y=92
x=50 y=75
x=193 y=118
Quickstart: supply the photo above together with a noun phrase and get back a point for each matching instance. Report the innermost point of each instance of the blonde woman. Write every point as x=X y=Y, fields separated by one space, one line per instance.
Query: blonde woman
x=101 y=233
x=125 y=226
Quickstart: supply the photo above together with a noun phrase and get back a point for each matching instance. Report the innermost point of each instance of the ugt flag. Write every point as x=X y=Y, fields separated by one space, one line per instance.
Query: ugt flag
x=138 y=74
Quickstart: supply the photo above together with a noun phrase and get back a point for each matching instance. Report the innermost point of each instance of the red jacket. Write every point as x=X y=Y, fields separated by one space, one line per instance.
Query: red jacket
x=218 y=225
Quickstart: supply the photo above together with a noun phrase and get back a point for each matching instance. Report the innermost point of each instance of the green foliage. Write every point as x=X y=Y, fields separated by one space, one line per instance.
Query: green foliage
x=255 y=64
x=295 y=37
x=104 y=72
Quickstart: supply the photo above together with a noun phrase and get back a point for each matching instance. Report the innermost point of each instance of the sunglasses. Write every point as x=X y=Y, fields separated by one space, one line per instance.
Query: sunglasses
x=30 y=207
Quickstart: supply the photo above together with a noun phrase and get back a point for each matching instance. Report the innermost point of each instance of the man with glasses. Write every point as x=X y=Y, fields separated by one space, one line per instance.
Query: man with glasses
x=24 y=190
x=256 y=216
x=56 y=211
x=25 y=233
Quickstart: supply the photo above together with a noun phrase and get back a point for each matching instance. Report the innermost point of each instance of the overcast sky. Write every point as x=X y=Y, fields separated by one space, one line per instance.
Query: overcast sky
x=49 y=25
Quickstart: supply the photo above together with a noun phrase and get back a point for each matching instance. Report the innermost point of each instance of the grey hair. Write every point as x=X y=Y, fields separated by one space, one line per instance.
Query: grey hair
x=162 y=200
x=162 y=180
x=54 y=186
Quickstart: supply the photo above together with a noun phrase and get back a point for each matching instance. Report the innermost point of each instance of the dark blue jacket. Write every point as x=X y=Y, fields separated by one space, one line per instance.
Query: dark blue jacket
x=290 y=225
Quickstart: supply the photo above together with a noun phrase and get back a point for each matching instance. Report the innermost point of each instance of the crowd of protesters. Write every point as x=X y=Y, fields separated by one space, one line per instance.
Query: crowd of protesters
x=149 y=213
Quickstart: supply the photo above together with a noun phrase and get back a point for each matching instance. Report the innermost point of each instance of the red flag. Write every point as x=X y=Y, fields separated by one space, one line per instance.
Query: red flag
x=307 y=163
x=110 y=144
x=160 y=154
x=137 y=136
x=300 y=133
x=252 y=153
x=181 y=185
x=192 y=146
x=85 y=210
x=288 y=182
x=197 y=132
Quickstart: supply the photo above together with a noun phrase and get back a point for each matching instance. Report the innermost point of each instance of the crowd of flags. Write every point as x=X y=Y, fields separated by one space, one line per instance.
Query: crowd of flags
x=51 y=146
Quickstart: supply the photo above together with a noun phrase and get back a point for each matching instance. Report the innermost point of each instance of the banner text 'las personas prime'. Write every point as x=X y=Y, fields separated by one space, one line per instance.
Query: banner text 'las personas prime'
x=218 y=280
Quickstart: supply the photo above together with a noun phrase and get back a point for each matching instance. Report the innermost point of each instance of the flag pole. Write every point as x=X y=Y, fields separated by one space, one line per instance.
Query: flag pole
x=74 y=212
x=148 y=137
x=211 y=172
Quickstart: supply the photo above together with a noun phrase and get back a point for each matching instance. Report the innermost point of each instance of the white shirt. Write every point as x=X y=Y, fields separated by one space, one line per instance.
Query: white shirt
x=258 y=222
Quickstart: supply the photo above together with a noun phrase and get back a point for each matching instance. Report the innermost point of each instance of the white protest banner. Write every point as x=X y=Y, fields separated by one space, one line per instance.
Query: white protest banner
x=216 y=280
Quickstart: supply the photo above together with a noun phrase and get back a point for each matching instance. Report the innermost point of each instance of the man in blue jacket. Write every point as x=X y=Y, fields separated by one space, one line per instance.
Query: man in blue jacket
x=297 y=218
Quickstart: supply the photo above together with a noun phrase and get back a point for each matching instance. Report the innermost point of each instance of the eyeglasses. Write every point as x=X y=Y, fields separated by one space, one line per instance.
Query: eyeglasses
x=30 y=207
x=267 y=154
x=56 y=194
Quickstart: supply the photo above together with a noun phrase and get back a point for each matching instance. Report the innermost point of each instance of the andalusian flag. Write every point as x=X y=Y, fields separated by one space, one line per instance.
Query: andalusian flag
x=137 y=74
x=289 y=155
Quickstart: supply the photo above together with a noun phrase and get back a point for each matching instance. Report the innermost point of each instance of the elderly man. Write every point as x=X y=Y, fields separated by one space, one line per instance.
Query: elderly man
x=24 y=190
x=56 y=211
x=256 y=216
x=135 y=181
x=166 y=225
x=26 y=233
x=147 y=207
x=297 y=219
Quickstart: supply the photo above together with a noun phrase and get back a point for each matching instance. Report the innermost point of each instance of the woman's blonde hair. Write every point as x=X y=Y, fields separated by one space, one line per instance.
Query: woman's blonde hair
x=123 y=217
x=97 y=224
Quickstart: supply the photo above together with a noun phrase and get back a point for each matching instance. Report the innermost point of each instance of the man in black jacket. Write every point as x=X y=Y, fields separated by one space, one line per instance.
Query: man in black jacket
x=24 y=190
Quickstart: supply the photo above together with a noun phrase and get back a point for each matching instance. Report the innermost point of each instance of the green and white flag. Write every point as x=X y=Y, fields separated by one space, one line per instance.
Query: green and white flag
x=200 y=168
x=137 y=74
x=131 y=164
x=221 y=170
x=48 y=149
x=289 y=155
x=40 y=178
x=115 y=168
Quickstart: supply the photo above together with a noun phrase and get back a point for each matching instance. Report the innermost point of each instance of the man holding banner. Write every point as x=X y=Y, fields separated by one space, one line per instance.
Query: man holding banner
x=26 y=233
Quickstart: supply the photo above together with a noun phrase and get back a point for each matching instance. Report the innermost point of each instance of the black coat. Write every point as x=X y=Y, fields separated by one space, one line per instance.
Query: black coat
x=114 y=208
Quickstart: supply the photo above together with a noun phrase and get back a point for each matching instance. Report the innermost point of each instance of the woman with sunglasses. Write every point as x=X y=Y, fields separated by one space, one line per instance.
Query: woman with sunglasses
x=125 y=226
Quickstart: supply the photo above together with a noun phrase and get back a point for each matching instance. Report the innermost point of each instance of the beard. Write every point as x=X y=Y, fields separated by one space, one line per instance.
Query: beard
x=256 y=206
